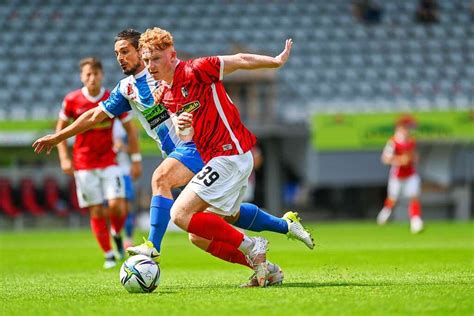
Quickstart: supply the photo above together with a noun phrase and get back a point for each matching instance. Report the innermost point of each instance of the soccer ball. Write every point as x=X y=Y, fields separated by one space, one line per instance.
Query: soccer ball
x=140 y=274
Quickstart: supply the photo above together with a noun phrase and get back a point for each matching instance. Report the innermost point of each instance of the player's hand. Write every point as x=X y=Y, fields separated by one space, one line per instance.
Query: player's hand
x=136 y=170
x=285 y=54
x=66 y=166
x=184 y=121
x=45 y=143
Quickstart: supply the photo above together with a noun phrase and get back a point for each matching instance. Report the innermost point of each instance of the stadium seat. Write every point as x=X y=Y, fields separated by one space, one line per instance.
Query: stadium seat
x=73 y=199
x=7 y=205
x=29 y=197
x=52 y=198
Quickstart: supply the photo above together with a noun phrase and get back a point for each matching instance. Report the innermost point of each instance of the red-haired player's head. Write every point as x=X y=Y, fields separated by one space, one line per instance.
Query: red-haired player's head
x=158 y=53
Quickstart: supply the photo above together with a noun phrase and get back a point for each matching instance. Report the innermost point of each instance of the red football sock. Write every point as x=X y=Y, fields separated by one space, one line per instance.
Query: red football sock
x=227 y=253
x=101 y=232
x=211 y=227
x=117 y=222
x=414 y=208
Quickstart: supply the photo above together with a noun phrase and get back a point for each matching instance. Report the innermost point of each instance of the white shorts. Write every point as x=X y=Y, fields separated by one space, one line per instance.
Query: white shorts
x=222 y=182
x=95 y=186
x=409 y=187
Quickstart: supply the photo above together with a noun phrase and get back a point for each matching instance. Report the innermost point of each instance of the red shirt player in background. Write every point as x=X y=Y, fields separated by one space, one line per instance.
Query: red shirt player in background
x=94 y=166
x=201 y=110
x=400 y=154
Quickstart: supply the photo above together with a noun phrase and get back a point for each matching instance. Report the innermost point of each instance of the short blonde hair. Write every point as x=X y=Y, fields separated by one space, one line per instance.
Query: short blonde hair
x=155 y=38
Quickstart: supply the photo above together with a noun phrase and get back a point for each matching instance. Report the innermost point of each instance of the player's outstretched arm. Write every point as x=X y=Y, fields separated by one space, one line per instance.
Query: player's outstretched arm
x=253 y=61
x=83 y=123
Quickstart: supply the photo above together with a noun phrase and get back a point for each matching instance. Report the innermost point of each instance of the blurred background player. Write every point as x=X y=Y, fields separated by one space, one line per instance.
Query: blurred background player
x=124 y=161
x=93 y=163
x=400 y=154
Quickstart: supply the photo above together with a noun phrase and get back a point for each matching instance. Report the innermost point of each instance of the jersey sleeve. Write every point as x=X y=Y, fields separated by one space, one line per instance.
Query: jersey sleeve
x=65 y=113
x=208 y=69
x=116 y=104
x=126 y=117
x=389 y=148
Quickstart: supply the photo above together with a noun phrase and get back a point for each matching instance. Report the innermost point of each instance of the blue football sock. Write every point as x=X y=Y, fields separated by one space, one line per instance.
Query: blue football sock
x=159 y=218
x=254 y=219
x=129 y=224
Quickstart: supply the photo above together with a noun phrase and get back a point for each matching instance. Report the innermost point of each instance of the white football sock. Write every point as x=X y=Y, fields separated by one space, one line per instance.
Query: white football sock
x=246 y=245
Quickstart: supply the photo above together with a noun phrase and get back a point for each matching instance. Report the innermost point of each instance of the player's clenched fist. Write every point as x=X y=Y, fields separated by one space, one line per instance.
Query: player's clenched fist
x=185 y=120
x=45 y=143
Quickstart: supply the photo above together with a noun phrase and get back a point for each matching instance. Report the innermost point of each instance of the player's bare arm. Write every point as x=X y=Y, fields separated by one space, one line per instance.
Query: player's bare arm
x=64 y=159
x=133 y=149
x=87 y=120
x=253 y=61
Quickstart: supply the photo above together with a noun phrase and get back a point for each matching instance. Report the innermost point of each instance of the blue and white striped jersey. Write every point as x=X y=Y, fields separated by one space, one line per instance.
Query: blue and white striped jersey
x=135 y=93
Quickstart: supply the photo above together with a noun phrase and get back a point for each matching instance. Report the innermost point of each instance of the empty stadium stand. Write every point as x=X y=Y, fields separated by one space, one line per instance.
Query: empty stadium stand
x=29 y=197
x=338 y=64
x=52 y=197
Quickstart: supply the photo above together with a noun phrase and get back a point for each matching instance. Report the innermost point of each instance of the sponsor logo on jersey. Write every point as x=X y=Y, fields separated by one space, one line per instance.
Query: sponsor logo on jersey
x=189 y=107
x=156 y=115
x=184 y=92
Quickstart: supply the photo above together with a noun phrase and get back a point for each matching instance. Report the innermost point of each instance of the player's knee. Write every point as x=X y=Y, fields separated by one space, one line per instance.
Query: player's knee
x=161 y=180
x=176 y=215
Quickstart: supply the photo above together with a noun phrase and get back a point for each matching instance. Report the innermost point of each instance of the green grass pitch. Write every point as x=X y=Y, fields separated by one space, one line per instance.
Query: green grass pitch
x=357 y=269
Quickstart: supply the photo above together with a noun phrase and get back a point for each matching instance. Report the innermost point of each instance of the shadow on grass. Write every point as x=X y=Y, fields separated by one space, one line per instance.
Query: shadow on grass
x=284 y=285
x=330 y=284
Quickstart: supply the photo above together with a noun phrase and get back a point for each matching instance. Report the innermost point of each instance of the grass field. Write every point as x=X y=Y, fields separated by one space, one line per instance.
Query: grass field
x=357 y=268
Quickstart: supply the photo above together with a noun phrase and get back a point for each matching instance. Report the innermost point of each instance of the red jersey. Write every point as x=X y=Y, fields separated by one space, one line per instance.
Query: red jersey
x=197 y=88
x=395 y=147
x=93 y=148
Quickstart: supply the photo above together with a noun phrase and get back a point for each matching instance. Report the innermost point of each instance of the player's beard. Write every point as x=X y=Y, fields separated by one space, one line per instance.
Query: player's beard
x=132 y=70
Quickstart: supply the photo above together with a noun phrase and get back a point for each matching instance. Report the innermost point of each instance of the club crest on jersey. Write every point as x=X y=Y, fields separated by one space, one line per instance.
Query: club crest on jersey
x=130 y=92
x=189 y=107
x=184 y=92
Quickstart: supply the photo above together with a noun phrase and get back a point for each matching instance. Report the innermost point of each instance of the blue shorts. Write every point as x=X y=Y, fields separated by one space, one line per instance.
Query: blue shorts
x=188 y=155
x=129 y=191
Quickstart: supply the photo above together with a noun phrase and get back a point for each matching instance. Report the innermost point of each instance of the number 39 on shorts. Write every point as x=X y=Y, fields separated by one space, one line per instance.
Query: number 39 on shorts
x=207 y=176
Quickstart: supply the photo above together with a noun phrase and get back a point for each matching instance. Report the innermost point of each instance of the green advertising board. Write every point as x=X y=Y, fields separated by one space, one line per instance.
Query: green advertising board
x=20 y=133
x=368 y=131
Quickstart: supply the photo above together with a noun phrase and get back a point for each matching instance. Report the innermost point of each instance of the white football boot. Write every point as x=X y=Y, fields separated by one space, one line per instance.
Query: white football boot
x=297 y=231
x=416 y=224
x=275 y=277
x=147 y=249
x=383 y=216
x=110 y=261
x=257 y=259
